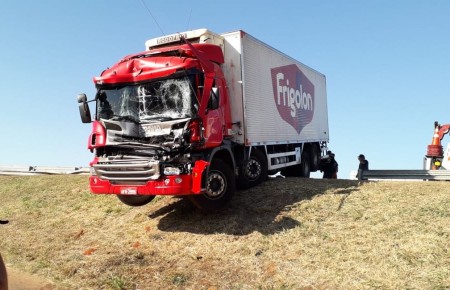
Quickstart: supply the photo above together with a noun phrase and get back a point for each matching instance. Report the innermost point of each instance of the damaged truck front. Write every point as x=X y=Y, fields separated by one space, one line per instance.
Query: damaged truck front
x=153 y=111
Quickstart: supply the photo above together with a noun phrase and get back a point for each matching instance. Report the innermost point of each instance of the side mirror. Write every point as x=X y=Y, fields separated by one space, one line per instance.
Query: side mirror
x=81 y=98
x=85 y=113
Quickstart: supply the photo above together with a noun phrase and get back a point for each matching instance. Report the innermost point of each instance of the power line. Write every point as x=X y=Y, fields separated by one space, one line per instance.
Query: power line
x=154 y=19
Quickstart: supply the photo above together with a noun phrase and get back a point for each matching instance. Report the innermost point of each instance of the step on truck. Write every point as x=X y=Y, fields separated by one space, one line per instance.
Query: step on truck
x=198 y=114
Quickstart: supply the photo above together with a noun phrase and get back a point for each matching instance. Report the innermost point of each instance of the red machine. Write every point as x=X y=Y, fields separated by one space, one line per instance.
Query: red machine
x=192 y=116
x=435 y=152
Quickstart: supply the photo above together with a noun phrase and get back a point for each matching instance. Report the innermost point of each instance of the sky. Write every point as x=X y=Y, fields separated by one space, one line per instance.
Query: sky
x=387 y=65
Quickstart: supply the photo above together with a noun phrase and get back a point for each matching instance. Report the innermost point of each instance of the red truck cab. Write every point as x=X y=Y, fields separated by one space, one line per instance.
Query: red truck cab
x=159 y=113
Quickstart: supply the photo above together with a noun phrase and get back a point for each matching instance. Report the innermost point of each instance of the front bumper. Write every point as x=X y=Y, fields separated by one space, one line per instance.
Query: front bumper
x=184 y=184
x=168 y=185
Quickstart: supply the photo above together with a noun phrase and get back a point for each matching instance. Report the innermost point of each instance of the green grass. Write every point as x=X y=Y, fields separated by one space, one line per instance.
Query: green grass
x=118 y=283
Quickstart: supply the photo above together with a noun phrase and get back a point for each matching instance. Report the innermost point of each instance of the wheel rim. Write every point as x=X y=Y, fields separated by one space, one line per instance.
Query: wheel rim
x=253 y=169
x=216 y=185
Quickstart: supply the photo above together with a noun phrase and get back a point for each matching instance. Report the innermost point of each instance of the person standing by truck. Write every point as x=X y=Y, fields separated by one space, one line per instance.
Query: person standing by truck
x=329 y=166
x=363 y=163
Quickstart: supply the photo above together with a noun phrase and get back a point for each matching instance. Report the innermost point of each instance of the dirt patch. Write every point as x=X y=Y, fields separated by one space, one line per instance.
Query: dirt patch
x=19 y=280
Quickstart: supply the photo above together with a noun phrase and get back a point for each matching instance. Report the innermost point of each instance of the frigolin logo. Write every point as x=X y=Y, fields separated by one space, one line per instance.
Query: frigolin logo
x=294 y=96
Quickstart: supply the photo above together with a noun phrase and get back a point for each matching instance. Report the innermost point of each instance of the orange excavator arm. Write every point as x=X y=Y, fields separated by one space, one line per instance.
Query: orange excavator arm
x=442 y=129
x=435 y=148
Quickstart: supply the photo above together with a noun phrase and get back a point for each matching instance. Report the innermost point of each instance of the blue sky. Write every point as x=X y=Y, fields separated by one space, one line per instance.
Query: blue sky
x=387 y=65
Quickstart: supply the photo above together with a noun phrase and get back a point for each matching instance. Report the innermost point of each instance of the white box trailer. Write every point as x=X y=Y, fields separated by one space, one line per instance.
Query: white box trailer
x=276 y=98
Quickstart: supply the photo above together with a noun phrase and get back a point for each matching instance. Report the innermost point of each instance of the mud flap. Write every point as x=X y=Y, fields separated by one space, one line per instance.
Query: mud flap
x=197 y=173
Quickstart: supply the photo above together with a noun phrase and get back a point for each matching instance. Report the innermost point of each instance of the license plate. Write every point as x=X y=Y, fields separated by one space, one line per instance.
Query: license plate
x=128 y=191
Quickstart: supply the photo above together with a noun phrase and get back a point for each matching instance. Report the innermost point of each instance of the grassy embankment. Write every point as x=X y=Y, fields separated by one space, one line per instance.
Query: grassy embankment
x=285 y=234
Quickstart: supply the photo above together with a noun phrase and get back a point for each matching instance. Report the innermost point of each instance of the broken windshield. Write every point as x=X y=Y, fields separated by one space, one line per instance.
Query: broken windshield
x=159 y=100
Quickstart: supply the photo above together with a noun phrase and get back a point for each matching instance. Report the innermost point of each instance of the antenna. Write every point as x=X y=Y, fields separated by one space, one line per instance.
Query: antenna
x=154 y=19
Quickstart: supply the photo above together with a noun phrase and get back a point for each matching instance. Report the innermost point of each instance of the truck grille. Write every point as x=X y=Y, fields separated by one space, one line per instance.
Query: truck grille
x=127 y=170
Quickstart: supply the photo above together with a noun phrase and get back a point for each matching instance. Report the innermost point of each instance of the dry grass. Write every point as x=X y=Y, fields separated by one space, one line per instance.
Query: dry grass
x=285 y=234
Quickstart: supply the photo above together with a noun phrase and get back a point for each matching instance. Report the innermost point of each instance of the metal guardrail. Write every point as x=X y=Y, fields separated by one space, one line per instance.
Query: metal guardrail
x=404 y=174
x=41 y=170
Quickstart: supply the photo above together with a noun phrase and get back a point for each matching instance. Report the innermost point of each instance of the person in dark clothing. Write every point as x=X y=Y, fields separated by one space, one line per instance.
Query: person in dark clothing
x=3 y=276
x=363 y=163
x=329 y=166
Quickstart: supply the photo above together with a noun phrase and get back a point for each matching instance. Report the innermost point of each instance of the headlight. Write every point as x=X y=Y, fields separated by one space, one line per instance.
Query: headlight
x=169 y=170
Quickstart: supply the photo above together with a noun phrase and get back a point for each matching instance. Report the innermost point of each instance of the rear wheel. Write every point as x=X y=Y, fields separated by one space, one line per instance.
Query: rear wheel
x=220 y=187
x=305 y=166
x=253 y=171
x=315 y=157
x=135 y=200
x=301 y=170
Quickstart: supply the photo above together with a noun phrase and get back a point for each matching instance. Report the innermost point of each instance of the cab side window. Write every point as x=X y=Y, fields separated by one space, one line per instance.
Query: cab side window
x=214 y=98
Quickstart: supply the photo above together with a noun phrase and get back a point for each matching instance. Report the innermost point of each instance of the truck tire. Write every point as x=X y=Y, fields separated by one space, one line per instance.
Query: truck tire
x=315 y=157
x=300 y=170
x=220 y=186
x=135 y=200
x=305 y=166
x=253 y=171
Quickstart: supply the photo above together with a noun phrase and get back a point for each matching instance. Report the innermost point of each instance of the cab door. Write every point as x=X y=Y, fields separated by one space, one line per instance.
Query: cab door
x=215 y=121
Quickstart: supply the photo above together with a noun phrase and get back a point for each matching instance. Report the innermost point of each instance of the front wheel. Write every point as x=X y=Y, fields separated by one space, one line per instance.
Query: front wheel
x=220 y=187
x=135 y=200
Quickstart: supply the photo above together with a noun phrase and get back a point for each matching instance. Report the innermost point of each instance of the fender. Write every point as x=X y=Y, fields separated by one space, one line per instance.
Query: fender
x=225 y=149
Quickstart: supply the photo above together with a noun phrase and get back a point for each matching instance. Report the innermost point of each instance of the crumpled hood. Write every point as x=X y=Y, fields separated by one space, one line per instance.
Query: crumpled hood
x=168 y=133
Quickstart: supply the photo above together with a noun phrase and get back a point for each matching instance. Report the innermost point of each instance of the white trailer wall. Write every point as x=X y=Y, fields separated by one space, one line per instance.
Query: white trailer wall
x=256 y=75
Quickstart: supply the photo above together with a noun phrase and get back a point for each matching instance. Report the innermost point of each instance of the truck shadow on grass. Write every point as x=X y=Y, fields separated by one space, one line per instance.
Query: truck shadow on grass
x=264 y=208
